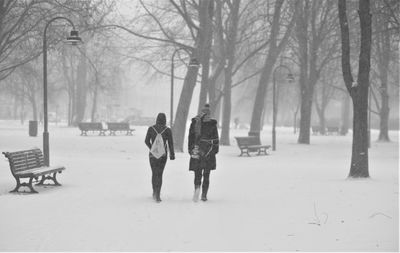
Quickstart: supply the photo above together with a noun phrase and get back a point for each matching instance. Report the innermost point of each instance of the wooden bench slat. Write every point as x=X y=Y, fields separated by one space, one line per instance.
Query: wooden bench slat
x=40 y=171
x=23 y=166
x=23 y=159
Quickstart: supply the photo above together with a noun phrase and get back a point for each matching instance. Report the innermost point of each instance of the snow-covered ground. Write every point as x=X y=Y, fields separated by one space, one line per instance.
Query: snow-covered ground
x=296 y=199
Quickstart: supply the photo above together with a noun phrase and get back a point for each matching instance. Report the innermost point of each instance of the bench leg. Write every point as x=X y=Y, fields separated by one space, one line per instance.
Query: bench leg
x=29 y=185
x=244 y=151
x=53 y=178
x=247 y=152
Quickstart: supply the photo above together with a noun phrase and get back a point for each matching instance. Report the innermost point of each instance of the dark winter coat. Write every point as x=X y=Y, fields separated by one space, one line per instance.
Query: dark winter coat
x=166 y=135
x=208 y=143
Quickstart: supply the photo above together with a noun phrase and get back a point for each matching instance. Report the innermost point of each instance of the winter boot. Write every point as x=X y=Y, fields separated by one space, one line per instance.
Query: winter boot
x=204 y=193
x=196 y=193
x=157 y=195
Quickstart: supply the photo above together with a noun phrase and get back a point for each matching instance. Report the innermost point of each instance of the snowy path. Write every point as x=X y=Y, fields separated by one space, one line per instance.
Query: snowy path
x=266 y=203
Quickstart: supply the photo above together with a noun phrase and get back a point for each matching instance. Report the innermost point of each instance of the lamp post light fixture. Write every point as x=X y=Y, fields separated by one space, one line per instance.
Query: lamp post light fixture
x=192 y=63
x=290 y=79
x=73 y=39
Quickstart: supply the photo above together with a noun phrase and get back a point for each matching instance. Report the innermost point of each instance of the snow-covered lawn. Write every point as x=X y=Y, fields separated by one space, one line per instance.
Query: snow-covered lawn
x=296 y=199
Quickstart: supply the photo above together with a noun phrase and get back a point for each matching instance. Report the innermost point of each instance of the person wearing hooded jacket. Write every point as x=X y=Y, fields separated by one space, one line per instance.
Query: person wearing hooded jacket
x=203 y=145
x=158 y=165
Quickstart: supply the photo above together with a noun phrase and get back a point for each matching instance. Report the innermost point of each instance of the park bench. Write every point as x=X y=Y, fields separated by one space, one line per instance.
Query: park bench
x=30 y=164
x=91 y=126
x=330 y=130
x=251 y=144
x=119 y=126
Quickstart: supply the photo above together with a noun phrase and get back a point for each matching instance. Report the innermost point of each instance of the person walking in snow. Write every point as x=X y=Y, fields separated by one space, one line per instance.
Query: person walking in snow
x=203 y=145
x=157 y=138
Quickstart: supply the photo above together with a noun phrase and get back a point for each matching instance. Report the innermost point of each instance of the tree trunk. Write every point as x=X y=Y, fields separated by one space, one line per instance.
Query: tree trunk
x=358 y=91
x=189 y=83
x=206 y=19
x=384 y=116
x=259 y=102
x=359 y=158
x=32 y=100
x=226 y=113
x=322 y=121
x=182 y=111
x=305 y=117
x=230 y=56
x=81 y=89
x=384 y=59
x=305 y=91
x=95 y=94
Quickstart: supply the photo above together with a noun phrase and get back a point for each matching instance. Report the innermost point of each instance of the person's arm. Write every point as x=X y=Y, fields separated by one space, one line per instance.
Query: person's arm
x=191 y=137
x=170 y=144
x=147 y=139
x=216 y=136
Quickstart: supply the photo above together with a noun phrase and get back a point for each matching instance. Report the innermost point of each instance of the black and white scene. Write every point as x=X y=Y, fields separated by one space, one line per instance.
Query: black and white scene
x=199 y=125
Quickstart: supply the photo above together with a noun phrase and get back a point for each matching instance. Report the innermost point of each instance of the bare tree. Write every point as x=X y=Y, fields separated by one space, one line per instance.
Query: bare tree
x=382 y=50
x=229 y=51
x=326 y=90
x=317 y=44
x=275 y=47
x=358 y=90
x=20 y=23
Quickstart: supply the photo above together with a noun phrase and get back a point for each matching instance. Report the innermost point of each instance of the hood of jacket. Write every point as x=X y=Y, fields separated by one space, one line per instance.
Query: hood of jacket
x=161 y=120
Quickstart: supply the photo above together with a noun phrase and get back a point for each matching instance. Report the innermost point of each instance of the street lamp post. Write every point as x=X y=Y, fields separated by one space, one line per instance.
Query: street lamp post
x=74 y=39
x=193 y=63
x=290 y=78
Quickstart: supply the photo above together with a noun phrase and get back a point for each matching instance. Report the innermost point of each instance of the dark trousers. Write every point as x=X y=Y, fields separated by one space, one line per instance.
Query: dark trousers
x=205 y=174
x=157 y=169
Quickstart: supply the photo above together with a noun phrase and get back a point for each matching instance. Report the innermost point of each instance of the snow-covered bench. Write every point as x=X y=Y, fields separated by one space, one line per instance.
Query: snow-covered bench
x=330 y=130
x=91 y=126
x=30 y=164
x=251 y=144
x=119 y=126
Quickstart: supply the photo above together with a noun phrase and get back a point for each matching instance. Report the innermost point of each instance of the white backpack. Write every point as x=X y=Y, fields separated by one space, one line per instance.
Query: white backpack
x=158 y=146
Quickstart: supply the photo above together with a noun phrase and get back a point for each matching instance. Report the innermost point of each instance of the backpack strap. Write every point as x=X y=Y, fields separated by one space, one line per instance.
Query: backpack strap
x=158 y=132
x=154 y=129
x=164 y=130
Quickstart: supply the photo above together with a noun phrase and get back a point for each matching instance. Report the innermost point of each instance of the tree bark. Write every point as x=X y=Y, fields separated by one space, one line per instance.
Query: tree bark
x=259 y=102
x=230 y=56
x=81 y=89
x=95 y=95
x=206 y=19
x=358 y=91
x=306 y=91
x=189 y=83
x=182 y=111
x=383 y=46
